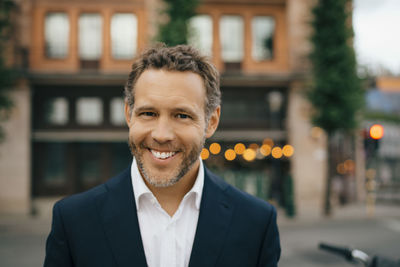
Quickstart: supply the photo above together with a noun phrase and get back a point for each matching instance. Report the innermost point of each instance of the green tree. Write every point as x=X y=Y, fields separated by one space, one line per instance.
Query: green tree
x=336 y=93
x=6 y=75
x=175 y=30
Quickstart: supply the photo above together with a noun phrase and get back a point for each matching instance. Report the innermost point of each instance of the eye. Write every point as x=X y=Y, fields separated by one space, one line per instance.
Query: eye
x=183 y=116
x=148 y=114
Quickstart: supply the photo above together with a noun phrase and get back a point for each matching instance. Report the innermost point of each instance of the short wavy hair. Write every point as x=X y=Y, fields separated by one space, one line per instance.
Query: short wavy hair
x=177 y=58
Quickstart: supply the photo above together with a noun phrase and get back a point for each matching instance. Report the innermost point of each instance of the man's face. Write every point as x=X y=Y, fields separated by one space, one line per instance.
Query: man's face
x=167 y=125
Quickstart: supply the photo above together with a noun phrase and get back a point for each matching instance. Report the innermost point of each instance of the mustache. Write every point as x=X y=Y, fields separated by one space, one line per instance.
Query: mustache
x=158 y=146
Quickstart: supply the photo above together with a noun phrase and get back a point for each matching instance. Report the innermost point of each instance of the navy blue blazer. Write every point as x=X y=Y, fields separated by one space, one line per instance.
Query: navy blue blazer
x=100 y=228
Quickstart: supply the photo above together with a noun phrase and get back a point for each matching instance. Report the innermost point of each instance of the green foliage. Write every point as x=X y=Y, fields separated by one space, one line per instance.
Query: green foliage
x=336 y=93
x=175 y=31
x=381 y=116
x=6 y=75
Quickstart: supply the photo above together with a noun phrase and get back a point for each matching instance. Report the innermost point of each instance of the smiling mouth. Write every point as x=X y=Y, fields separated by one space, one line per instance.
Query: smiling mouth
x=162 y=155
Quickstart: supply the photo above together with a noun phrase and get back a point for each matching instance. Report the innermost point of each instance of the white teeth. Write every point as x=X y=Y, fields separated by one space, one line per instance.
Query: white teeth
x=162 y=155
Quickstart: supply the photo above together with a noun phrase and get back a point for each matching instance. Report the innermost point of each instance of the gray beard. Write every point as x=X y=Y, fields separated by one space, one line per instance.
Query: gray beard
x=187 y=164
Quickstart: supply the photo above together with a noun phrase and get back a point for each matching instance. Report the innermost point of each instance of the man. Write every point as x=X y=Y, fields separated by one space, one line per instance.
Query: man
x=166 y=209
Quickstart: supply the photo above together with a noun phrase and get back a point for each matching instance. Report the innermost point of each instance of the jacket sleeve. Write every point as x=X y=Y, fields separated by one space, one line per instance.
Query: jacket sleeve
x=271 y=249
x=57 y=249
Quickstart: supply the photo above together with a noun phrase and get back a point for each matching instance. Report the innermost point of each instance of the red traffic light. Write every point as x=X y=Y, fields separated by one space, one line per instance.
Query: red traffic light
x=376 y=131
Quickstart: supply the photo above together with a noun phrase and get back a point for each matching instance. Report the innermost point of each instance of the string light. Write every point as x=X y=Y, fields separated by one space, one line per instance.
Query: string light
x=239 y=148
x=204 y=154
x=230 y=154
x=265 y=150
x=215 y=148
x=249 y=154
x=276 y=152
x=254 y=146
x=268 y=141
x=288 y=151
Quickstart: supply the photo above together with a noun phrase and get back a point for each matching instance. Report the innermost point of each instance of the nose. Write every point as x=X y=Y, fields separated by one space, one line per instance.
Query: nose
x=163 y=131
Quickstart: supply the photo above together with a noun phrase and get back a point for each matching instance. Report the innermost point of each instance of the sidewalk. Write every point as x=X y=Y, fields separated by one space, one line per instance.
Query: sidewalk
x=357 y=211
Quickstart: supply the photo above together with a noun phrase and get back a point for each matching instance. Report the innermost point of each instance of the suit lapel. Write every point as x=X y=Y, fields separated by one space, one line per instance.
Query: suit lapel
x=214 y=220
x=118 y=214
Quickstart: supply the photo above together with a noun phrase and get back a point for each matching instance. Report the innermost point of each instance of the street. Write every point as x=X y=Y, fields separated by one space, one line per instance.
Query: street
x=22 y=239
x=374 y=236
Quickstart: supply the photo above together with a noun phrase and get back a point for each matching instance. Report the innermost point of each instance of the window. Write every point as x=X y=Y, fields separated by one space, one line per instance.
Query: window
x=231 y=35
x=263 y=28
x=89 y=111
x=54 y=169
x=117 y=116
x=61 y=168
x=56 y=35
x=253 y=108
x=90 y=36
x=123 y=35
x=89 y=170
x=200 y=28
x=56 y=111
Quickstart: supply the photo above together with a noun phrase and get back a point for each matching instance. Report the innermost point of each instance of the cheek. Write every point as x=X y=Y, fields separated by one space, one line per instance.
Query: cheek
x=137 y=132
x=192 y=135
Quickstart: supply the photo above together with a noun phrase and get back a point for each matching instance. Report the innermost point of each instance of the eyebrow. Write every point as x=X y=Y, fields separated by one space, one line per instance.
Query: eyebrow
x=143 y=108
x=187 y=110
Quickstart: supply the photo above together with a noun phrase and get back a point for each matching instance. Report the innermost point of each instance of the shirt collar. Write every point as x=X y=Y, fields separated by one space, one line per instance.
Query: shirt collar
x=140 y=188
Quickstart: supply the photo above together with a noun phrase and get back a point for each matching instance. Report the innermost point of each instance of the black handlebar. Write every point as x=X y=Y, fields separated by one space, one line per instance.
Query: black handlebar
x=343 y=251
x=358 y=255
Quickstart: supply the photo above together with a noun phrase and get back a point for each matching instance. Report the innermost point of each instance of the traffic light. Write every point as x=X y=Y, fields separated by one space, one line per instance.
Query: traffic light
x=371 y=139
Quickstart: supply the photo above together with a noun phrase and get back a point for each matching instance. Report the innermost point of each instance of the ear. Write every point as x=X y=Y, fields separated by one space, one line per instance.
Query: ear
x=128 y=114
x=213 y=122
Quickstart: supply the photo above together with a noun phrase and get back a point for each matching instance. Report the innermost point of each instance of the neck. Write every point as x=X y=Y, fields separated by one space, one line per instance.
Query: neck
x=170 y=197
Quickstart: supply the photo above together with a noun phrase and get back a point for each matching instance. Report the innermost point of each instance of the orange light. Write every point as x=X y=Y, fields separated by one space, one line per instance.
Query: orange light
x=249 y=154
x=204 y=154
x=253 y=146
x=288 y=151
x=268 y=141
x=349 y=165
x=230 y=154
x=265 y=150
x=340 y=168
x=316 y=132
x=239 y=148
x=376 y=131
x=215 y=148
x=276 y=152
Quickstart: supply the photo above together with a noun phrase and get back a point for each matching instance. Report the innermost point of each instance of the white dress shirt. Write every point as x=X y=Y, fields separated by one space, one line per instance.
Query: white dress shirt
x=167 y=241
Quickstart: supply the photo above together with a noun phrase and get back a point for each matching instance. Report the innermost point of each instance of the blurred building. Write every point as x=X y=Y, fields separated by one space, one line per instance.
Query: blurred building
x=67 y=133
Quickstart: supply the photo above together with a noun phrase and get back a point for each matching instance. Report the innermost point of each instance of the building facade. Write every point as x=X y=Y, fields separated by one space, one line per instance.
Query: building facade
x=67 y=134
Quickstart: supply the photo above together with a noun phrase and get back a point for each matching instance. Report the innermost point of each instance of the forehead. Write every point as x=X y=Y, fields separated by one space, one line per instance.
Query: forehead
x=170 y=86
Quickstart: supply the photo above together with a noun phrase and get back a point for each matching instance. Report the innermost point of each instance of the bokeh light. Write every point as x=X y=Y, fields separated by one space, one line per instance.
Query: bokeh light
x=268 y=141
x=265 y=150
x=340 y=168
x=215 y=148
x=230 y=154
x=249 y=154
x=316 y=132
x=254 y=146
x=276 y=152
x=349 y=165
x=288 y=151
x=204 y=154
x=376 y=131
x=239 y=148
